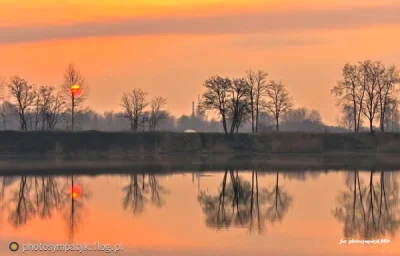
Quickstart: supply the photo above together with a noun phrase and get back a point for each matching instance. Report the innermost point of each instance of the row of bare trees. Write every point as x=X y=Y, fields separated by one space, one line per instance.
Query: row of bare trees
x=368 y=90
x=240 y=100
x=142 y=113
x=43 y=106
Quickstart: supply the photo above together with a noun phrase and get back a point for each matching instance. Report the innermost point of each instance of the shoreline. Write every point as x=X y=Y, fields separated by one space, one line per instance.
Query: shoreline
x=99 y=142
x=183 y=163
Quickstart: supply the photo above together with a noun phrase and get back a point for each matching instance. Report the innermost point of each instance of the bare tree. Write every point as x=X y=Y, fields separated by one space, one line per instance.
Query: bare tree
x=392 y=115
x=74 y=90
x=128 y=108
x=315 y=117
x=52 y=108
x=2 y=85
x=43 y=100
x=156 y=113
x=252 y=97
x=243 y=114
x=260 y=79
x=386 y=87
x=37 y=110
x=216 y=97
x=350 y=92
x=2 y=102
x=134 y=104
x=279 y=100
x=24 y=96
x=346 y=120
x=48 y=108
x=238 y=102
x=372 y=73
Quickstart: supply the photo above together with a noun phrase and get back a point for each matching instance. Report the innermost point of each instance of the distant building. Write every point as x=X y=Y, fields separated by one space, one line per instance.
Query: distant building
x=189 y=131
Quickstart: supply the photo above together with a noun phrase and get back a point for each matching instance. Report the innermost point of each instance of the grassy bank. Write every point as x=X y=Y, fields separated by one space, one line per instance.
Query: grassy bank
x=93 y=142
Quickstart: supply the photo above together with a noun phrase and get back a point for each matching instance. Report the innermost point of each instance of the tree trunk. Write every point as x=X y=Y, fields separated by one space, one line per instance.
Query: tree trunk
x=370 y=125
x=383 y=121
x=24 y=126
x=4 y=120
x=233 y=126
x=224 y=124
x=73 y=112
x=277 y=123
x=257 y=110
x=21 y=121
x=252 y=111
x=358 y=121
x=360 y=106
x=355 y=116
x=135 y=123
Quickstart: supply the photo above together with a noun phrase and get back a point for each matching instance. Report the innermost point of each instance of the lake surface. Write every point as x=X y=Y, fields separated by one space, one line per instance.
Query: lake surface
x=233 y=212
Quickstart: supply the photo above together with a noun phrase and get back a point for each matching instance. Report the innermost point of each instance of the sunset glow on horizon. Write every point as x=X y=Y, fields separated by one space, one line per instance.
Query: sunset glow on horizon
x=168 y=48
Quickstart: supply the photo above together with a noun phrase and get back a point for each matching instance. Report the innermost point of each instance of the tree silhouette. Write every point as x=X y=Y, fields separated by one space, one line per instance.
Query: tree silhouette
x=279 y=101
x=73 y=77
x=257 y=91
x=134 y=104
x=24 y=95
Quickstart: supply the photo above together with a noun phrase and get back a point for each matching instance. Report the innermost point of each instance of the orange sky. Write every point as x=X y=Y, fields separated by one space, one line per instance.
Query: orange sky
x=169 y=49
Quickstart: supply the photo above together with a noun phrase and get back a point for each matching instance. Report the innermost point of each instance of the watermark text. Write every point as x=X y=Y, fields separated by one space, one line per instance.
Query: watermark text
x=355 y=241
x=77 y=247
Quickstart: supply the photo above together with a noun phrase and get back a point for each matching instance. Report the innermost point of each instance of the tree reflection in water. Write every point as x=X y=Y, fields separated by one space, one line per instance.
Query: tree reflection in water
x=30 y=196
x=241 y=203
x=73 y=208
x=21 y=204
x=369 y=210
x=47 y=195
x=280 y=201
x=4 y=183
x=139 y=192
x=40 y=196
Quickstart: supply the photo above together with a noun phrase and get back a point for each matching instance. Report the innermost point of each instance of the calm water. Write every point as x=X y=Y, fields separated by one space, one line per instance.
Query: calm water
x=226 y=213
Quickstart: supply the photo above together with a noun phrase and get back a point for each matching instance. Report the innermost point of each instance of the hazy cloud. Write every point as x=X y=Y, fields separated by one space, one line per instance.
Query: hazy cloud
x=275 y=42
x=227 y=24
